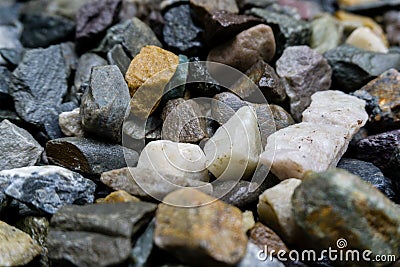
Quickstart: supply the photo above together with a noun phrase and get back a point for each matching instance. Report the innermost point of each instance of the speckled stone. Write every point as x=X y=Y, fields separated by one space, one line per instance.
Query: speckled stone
x=264 y=237
x=202 y=8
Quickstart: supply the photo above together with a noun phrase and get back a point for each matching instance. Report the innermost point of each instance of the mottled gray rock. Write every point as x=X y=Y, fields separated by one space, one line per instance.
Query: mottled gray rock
x=143 y=248
x=117 y=56
x=18 y=147
x=198 y=71
x=48 y=188
x=88 y=156
x=304 y=72
x=9 y=40
x=105 y=103
x=5 y=98
x=84 y=68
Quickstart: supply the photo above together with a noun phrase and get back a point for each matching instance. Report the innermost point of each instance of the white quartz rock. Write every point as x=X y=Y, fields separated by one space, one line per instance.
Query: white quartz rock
x=176 y=159
x=233 y=152
x=365 y=38
x=71 y=123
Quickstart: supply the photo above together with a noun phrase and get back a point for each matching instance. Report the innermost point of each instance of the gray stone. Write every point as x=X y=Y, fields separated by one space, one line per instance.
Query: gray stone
x=65 y=8
x=198 y=71
x=87 y=249
x=392 y=27
x=105 y=103
x=304 y=72
x=84 y=68
x=118 y=219
x=9 y=39
x=327 y=33
x=18 y=147
x=202 y=8
x=47 y=188
x=9 y=13
x=143 y=248
x=88 y=156
x=117 y=56
x=251 y=259
x=5 y=98
x=373 y=8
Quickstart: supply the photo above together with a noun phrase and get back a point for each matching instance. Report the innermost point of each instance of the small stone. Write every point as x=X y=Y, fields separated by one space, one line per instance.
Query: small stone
x=9 y=41
x=84 y=68
x=353 y=67
x=371 y=174
x=93 y=18
x=305 y=72
x=177 y=159
x=180 y=33
x=176 y=229
x=148 y=183
x=275 y=209
x=48 y=188
x=88 y=156
x=105 y=103
x=65 y=8
x=202 y=8
x=246 y=48
x=87 y=249
x=118 y=56
x=306 y=9
x=5 y=98
x=247 y=4
x=320 y=204
x=144 y=246
x=327 y=33
x=176 y=87
x=392 y=23
x=248 y=221
x=251 y=258
x=118 y=219
x=282 y=118
x=16 y=247
x=365 y=39
x=265 y=237
x=119 y=196
x=373 y=8
x=233 y=152
x=18 y=147
x=183 y=121
x=71 y=123
x=199 y=71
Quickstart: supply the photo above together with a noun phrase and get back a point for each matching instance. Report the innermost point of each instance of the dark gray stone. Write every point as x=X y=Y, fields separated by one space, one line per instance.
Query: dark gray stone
x=117 y=56
x=105 y=103
x=18 y=147
x=48 y=188
x=143 y=248
x=5 y=181
x=84 y=68
x=198 y=72
x=374 y=8
x=9 y=43
x=5 y=97
x=247 y=4
x=9 y=13
x=88 y=156
x=353 y=67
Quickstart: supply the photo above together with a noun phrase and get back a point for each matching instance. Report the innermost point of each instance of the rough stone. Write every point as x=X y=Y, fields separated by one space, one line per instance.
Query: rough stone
x=202 y=8
x=16 y=247
x=198 y=71
x=84 y=68
x=105 y=103
x=9 y=41
x=392 y=27
x=71 y=123
x=320 y=206
x=118 y=56
x=306 y=9
x=247 y=4
x=364 y=38
x=353 y=67
x=88 y=156
x=144 y=246
x=305 y=72
x=48 y=188
x=193 y=233
x=119 y=196
x=326 y=34
x=246 y=48
x=265 y=237
x=18 y=147
x=5 y=97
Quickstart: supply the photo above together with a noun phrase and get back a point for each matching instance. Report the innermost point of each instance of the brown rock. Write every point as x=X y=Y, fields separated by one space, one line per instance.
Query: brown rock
x=119 y=196
x=194 y=234
x=265 y=237
x=246 y=48
x=392 y=22
x=202 y=8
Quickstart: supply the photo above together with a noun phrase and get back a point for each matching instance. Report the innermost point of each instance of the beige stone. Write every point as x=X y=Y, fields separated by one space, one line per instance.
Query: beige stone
x=119 y=196
x=364 y=38
x=71 y=123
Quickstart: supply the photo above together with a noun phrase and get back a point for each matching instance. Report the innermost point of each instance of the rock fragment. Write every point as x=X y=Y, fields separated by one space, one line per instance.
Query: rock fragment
x=84 y=68
x=71 y=123
x=327 y=33
x=202 y=8
x=365 y=39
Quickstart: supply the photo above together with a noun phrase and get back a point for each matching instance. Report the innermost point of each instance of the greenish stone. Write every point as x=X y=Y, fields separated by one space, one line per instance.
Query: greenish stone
x=326 y=34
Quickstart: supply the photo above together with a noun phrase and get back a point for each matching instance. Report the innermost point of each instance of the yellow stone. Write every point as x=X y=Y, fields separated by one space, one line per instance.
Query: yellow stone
x=364 y=38
x=119 y=196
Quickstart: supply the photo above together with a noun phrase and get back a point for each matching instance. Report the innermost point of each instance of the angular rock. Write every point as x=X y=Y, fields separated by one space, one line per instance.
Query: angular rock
x=177 y=159
x=88 y=156
x=202 y=8
x=119 y=196
x=71 y=123
x=198 y=71
x=105 y=103
x=176 y=87
x=248 y=221
x=353 y=67
x=304 y=72
x=233 y=152
x=326 y=34
x=263 y=237
x=247 y=4
x=275 y=209
x=143 y=248
x=320 y=204
x=306 y=9
x=9 y=42
x=251 y=258
x=48 y=188
x=87 y=249
x=18 y=147
x=84 y=68
x=217 y=221
x=282 y=118
x=5 y=98
x=392 y=27
x=180 y=33
x=373 y=8
x=118 y=56
x=246 y=48
x=364 y=38
x=16 y=247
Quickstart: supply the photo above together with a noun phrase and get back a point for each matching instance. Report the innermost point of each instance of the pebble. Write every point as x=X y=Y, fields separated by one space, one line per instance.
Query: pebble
x=365 y=39
x=105 y=103
x=88 y=156
x=392 y=27
x=71 y=123
x=119 y=196
x=193 y=234
x=202 y=8
x=264 y=237
x=246 y=48
x=148 y=183
x=233 y=152
x=16 y=247
x=275 y=209
x=118 y=56
x=320 y=204
x=248 y=221
x=18 y=147
x=84 y=68
x=177 y=159
x=371 y=174
x=251 y=258
x=199 y=71
x=305 y=72
x=327 y=33
x=9 y=40
x=353 y=67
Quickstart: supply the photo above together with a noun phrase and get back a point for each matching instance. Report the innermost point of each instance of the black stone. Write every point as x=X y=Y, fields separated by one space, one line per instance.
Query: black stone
x=6 y=101
x=198 y=72
x=374 y=8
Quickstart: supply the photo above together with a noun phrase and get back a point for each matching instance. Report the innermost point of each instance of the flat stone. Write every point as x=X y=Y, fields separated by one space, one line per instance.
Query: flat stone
x=246 y=48
x=264 y=237
x=202 y=8
x=251 y=258
x=218 y=221
x=118 y=56
x=305 y=72
x=16 y=247
x=275 y=209
x=118 y=219
x=141 y=254
x=71 y=123
x=326 y=34
x=353 y=67
x=233 y=152
x=84 y=68
x=392 y=27
x=183 y=121
x=48 y=188
x=87 y=249
x=320 y=204
x=364 y=38
x=177 y=159
x=88 y=156
x=288 y=31
x=119 y=196
x=18 y=147
x=105 y=103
